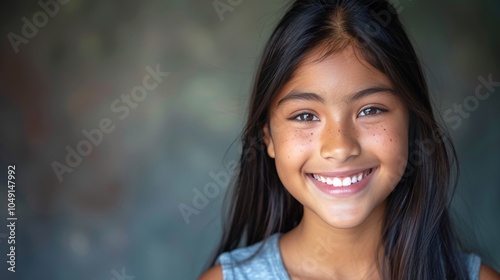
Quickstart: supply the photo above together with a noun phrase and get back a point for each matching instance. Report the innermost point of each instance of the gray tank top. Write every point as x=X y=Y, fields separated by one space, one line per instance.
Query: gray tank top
x=267 y=263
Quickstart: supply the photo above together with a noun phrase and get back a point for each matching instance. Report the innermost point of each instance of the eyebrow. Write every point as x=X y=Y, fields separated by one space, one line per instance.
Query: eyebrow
x=311 y=96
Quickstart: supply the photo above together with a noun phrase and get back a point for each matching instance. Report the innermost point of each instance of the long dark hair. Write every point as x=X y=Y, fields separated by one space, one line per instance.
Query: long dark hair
x=417 y=235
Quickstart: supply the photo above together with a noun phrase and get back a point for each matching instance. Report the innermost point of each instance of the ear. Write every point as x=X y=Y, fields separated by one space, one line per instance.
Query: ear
x=269 y=141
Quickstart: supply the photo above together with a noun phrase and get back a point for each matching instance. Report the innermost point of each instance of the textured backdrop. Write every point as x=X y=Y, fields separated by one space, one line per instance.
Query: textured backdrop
x=117 y=114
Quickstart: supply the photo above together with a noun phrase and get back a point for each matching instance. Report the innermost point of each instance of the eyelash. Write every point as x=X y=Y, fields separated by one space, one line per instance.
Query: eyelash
x=377 y=109
x=296 y=117
x=315 y=118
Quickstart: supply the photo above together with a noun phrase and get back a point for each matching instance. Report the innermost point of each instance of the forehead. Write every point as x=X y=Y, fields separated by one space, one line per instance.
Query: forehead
x=334 y=75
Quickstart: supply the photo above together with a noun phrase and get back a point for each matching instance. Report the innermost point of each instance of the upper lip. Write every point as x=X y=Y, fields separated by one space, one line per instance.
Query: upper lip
x=345 y=173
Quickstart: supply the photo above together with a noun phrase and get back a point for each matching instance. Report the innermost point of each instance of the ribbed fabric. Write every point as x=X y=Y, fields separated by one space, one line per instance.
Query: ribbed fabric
x=473 y=265
x=267 y=263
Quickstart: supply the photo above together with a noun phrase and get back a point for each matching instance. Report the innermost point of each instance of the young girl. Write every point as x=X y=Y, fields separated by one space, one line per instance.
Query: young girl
x=345 y=172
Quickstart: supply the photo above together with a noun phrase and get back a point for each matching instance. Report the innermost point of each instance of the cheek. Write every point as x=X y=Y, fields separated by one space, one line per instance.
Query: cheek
x=294 y=147
x=389 y=141
x=294 y=144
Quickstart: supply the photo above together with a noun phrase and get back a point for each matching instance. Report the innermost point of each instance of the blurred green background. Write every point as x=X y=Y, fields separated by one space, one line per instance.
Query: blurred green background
x=116 y=213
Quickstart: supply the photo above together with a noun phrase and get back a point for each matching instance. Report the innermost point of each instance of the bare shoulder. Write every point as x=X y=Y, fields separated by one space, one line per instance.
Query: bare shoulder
x=487 y=273
x=215 y=273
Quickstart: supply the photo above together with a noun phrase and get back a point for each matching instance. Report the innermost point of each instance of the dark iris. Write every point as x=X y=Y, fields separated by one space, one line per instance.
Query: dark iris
x=306 y=117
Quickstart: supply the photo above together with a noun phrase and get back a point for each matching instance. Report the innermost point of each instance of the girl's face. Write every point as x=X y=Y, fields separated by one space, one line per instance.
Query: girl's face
x=339 y=136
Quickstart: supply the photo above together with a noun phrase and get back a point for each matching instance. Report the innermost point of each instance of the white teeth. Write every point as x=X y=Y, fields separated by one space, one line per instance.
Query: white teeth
x=337 y=182
x=354 y=179
x=342 y=182
x=323 y=179
x=346 y=182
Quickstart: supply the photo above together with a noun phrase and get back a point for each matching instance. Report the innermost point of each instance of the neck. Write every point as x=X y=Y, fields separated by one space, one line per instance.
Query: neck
x=353 y=253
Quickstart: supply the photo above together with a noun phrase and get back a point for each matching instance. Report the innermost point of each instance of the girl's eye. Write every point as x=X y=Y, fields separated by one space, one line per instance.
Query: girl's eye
x=306 y=117
x=371 y=111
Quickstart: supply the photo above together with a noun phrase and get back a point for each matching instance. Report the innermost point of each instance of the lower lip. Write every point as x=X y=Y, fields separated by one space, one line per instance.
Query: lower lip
x=342 y=191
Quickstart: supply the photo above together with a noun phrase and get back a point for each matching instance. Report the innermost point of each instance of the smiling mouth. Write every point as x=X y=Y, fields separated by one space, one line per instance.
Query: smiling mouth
x=342 y=181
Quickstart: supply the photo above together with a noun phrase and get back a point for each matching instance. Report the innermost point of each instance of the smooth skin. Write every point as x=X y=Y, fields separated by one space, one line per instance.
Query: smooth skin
x=337 y=114
x=336 y=129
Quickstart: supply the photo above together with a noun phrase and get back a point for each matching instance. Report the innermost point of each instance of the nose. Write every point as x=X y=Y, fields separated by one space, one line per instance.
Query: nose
x=339 y=141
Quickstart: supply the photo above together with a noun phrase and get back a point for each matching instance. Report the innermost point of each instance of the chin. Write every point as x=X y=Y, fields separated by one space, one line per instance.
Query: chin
x=344 y=220
x=352 y=217
x=345 y=223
